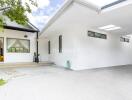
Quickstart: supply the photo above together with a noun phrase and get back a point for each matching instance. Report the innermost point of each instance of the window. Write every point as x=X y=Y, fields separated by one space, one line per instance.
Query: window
x=15 y=45
x=124 y=39
x=97 y=35
x=49 y=47
x=60 y=43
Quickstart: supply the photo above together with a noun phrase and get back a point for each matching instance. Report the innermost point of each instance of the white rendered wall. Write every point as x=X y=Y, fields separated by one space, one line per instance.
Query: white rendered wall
x=87 y=52
x=43 y=49
x=94 y=52
x=68 y=52
x=18 y=57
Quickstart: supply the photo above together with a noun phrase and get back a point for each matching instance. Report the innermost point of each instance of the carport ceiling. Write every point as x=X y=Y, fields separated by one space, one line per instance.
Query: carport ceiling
x=78 y=16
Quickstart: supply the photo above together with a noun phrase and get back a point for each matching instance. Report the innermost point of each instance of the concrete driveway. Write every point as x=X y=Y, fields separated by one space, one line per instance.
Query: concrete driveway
x=54 y=83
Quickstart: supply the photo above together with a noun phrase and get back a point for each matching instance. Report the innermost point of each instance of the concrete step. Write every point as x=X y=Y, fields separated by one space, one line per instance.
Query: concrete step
x=26 y=64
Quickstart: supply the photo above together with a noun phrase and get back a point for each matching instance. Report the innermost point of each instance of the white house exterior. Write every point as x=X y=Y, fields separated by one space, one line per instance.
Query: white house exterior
x=18 y=57
x=73 y=21
x=15 y=31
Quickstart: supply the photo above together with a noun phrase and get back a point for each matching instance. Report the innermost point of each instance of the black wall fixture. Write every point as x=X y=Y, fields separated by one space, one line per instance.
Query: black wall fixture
x=60 y=43
x=49 y=47
x=25 y=36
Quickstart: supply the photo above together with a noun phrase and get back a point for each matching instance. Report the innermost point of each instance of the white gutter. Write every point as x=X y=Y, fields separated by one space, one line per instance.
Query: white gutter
x=125 y=3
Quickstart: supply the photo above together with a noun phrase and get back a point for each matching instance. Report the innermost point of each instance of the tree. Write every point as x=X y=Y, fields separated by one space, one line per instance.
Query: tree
x=16 y=10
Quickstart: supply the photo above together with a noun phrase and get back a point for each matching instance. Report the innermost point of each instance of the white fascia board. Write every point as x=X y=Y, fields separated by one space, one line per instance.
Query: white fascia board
x=64 y=7
x=57 y=14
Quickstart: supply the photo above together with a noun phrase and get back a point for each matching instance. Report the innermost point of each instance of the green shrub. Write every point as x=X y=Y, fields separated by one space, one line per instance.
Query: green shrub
x=2 y=82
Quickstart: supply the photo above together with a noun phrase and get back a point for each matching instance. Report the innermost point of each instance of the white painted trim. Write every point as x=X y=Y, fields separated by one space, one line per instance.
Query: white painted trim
x=116 y=6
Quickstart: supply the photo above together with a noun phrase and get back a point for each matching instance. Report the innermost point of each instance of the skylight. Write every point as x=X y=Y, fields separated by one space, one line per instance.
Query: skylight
x=110 y=27
x=113 y=28
x=105 y=3
x=107 y=27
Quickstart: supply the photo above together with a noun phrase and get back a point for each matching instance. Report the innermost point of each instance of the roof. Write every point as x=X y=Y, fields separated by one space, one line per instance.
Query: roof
x=67 y=4
x=15 y=26
x=20 y=29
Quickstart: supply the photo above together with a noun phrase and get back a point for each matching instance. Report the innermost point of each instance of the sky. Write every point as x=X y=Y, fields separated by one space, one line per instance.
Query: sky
x=41 y=14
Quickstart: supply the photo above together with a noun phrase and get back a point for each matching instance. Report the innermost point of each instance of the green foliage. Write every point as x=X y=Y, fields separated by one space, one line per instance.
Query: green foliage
x=16 y=10
x=2 y=82
x=1 y=23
